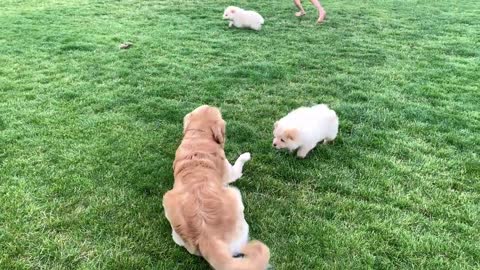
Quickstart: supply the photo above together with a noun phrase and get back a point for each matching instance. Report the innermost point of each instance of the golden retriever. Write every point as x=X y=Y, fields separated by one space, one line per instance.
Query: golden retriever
x=205 y=213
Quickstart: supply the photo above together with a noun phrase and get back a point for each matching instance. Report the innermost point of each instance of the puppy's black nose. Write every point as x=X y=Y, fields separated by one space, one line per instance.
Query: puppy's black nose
x=274 y=145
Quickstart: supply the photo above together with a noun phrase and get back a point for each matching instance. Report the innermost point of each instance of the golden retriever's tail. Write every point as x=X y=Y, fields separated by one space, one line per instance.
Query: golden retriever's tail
x=256 y=255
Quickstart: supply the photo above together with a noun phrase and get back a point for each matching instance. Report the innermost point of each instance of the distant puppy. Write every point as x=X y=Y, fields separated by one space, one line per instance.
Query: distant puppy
x=241 y=18
x=304 y=127
x=205 y=213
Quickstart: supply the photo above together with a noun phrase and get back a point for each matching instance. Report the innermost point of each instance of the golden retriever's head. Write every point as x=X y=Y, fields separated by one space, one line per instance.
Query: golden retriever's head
x=206 y=119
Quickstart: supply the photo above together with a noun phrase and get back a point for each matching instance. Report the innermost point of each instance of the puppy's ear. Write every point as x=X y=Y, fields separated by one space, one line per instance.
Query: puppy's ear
x=275 y=125
x=218 y=131
x=291 y=134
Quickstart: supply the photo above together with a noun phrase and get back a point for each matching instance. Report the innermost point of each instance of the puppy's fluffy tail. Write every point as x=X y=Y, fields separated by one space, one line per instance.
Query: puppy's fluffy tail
x=329 y=113
x=217 y=254
x=333 y=123
x=332 y=116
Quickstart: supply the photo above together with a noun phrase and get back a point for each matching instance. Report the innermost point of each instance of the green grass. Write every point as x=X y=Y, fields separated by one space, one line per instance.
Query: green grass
x=88 y=132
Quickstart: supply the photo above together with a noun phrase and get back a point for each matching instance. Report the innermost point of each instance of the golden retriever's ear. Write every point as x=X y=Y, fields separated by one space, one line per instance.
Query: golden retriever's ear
x=291 y=134
x=218 y=130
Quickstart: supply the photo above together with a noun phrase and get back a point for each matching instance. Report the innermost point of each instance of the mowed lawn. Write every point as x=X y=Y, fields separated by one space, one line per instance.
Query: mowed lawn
x=88 y=132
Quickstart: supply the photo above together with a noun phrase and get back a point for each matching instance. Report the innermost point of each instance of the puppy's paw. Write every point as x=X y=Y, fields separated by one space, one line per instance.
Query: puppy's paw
x=301 y=154
x=245 y=157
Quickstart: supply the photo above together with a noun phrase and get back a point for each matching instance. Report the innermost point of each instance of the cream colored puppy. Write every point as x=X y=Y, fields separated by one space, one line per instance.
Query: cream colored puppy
x=241 y=18
x=205 y=213
x=304 y=127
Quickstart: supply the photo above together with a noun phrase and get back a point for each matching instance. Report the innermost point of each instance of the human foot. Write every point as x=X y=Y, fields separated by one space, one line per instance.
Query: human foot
x=300 y=13
x=321 y=16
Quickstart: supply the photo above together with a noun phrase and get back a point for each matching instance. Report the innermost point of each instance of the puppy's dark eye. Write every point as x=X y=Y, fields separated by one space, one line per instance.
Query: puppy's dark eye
x=282 y=140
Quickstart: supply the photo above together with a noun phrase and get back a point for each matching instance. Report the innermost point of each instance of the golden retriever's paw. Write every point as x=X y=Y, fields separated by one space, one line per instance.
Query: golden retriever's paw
x=245 y=157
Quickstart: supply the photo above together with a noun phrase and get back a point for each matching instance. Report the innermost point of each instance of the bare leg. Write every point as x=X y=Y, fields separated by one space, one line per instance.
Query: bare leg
x=298 y=3
x=321 y=11
x=235 y=171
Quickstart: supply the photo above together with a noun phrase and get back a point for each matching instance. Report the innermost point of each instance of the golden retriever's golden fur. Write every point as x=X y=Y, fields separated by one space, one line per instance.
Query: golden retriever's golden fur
x=205 y=213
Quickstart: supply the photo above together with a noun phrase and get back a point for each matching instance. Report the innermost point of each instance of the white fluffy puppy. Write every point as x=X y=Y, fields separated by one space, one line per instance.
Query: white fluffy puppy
x=243 y=18
x=304 y=127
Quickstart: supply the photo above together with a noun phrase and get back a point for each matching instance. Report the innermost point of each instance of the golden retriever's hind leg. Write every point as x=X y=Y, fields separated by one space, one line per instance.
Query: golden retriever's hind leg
x=235 y=171
x=169 y=200
x=177 y=239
